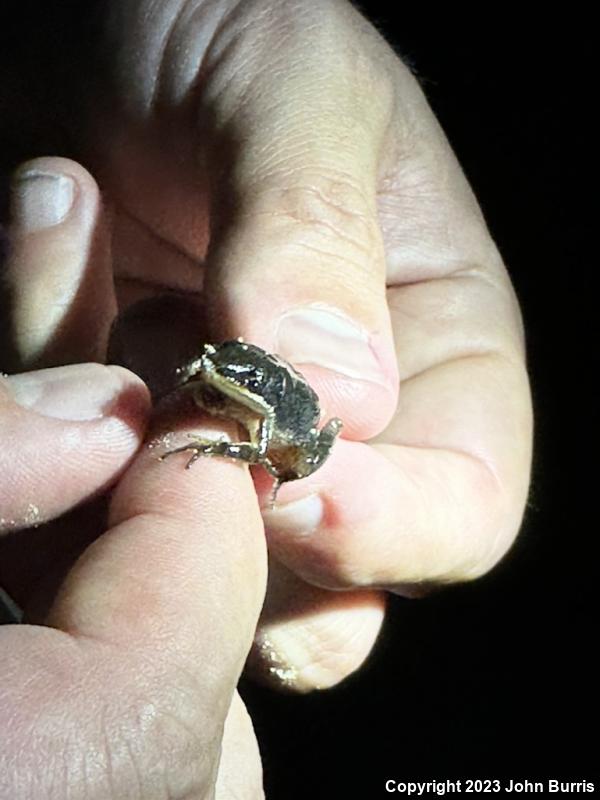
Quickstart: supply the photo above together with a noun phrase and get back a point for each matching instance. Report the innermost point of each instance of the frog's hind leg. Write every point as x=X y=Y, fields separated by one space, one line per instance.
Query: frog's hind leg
x=240 y=451
x=274 y=491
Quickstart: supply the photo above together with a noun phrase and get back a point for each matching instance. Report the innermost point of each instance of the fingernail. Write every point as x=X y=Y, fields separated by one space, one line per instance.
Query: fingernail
x=298 y=517
x=76 y=393
x=328 y=339
x=41 y=199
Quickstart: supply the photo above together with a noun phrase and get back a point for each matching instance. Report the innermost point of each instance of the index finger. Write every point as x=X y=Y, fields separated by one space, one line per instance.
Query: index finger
x=142 y=649
x=181 y=570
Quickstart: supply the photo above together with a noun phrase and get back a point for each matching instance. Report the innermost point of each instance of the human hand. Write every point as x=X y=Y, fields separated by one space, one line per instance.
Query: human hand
x=122 y=680
x=125 y=686
x=277 y=161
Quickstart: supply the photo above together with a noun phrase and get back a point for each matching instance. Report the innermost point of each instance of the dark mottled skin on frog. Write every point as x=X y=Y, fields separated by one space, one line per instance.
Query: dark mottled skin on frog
x=294 y=403
x=272 y=400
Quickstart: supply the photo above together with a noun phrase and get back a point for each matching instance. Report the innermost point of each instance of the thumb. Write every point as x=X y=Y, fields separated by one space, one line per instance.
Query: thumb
x=64 y=434
x=296 y=264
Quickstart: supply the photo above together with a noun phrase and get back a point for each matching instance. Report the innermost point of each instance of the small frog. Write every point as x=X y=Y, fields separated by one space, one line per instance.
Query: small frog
x=270 y=399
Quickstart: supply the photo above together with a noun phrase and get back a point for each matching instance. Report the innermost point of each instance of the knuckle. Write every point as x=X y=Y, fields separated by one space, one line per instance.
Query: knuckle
x=329 y=214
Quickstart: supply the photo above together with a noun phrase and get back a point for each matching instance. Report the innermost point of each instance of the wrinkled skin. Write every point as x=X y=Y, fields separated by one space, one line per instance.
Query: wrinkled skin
x=272 y=162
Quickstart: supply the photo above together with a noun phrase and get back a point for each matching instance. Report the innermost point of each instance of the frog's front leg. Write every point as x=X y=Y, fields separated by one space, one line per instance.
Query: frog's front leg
x=240 y=451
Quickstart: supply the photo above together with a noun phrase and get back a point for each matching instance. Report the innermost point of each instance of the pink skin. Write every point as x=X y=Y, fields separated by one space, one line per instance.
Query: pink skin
x=47 y=447
x=108 y=668
x=330 y=187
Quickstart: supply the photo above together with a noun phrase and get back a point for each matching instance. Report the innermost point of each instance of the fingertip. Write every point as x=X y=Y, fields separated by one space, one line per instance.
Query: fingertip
x=326 y=313
x=365 y=407
x=331 y=527
x=57 y=165
x=388 y=516
x=309 y=638
x=60 y=297
x=298 y=525
x=132 y=405
x=48 y=191
x=79 y=392
x=66 y=433
x=352 y=368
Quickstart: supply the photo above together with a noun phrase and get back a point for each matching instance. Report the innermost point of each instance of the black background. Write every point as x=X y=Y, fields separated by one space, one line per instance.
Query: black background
x=497 y=678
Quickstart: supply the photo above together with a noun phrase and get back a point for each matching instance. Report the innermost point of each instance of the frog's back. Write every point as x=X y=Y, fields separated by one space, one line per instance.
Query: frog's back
x=295 y=405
